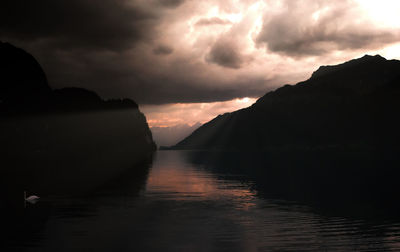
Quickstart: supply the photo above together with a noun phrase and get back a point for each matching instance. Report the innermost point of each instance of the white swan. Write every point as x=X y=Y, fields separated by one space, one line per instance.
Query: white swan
x=31 y=199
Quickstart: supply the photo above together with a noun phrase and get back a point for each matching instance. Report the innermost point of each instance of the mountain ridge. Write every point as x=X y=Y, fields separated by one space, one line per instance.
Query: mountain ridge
x=341 y=106
x=24 y=89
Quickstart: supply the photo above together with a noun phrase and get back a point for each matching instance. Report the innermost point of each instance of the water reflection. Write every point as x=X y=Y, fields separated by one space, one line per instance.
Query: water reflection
x=186 y=206
x=354 y=184
x=178 y=180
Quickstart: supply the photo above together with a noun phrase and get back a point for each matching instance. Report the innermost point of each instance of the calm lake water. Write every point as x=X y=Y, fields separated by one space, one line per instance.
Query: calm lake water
x=185 y=206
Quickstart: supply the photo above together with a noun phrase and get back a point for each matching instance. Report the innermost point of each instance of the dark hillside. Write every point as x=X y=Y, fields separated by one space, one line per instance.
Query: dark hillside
x=348 y=106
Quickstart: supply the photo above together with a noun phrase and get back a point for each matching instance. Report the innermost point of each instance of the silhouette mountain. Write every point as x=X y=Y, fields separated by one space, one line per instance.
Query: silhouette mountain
x=24 y=89
x=72 y=99
x=21 y=76
x=65 y=140
x=351 y=106
x=331 y=141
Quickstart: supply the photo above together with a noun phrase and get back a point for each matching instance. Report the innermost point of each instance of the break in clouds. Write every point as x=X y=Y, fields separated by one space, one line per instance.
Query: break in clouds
x=168 y=51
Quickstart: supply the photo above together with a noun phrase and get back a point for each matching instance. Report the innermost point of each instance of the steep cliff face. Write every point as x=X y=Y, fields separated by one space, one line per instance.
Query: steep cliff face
x=349 y=106
x=67 y=138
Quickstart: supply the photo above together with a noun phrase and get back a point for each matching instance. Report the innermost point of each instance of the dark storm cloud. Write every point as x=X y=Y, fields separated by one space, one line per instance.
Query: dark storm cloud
x=88 y=24
x=170 y=3
x=317 y=27
x=168 y=51
x=163 y=50
x=225 y=53
x=95 y=45
x=213 y=21
x=197 y=93
x=184 y=86
x=141 y=77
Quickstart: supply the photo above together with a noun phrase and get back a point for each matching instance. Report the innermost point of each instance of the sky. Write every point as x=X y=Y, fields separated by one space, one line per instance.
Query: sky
x=186 y=61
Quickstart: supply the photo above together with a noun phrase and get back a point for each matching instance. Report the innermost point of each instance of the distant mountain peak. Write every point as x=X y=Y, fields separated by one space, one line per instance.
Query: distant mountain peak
x=376 y=56
x=366 y=59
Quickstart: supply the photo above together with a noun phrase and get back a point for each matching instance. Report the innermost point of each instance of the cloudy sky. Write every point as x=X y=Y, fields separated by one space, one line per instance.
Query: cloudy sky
x=186 y=61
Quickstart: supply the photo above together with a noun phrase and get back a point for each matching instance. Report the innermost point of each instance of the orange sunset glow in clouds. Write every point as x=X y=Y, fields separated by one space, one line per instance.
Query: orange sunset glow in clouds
x=271 y=43
x=191 y=113
x=249 y=47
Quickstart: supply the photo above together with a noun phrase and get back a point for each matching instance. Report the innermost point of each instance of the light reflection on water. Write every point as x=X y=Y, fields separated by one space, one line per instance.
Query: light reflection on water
x=177 y=180
x=184 y=207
